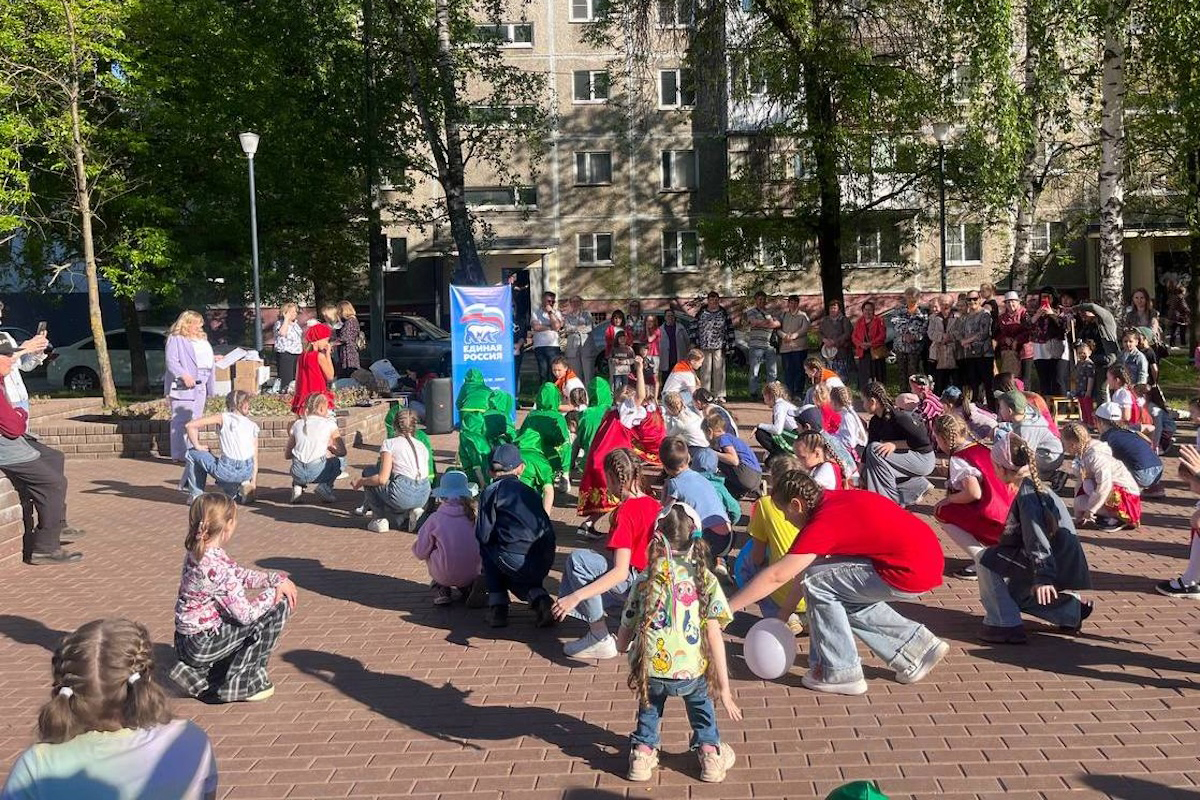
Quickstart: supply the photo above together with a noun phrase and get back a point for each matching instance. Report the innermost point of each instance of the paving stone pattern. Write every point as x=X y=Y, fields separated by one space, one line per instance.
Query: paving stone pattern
x=382 y=695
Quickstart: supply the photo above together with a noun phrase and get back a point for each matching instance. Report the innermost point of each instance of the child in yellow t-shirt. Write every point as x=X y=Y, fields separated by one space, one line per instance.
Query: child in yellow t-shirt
x=771 y=537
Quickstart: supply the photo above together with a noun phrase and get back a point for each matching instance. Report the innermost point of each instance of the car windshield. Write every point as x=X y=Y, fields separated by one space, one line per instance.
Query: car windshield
x=428 y=327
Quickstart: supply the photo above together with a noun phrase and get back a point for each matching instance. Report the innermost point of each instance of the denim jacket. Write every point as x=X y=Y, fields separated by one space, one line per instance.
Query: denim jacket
x=1029 y=549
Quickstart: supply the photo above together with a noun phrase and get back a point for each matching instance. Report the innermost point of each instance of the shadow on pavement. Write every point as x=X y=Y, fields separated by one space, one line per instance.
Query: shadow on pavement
x=1121 y=787
x=34 y=632
x=443 y=712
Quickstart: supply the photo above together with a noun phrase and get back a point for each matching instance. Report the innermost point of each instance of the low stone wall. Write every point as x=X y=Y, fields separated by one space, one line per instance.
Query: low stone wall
x=12 y=524
x=96 y=436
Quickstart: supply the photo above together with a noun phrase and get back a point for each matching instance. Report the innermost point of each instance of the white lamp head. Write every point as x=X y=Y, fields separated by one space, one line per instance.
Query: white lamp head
x=249 y=143
x=941 y=132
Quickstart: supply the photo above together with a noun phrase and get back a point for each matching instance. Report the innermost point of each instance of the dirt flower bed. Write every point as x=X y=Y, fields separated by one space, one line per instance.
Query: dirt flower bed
x=263 y=405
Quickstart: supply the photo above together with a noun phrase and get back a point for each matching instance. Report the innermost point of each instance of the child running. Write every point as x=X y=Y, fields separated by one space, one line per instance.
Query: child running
x=316 y=449
x=672 y=626
x=1108 y=497
x=594 y=583
x=107 y=724
x=235 y=471
x=223 y=638
x=446 y=541
x=977 y=500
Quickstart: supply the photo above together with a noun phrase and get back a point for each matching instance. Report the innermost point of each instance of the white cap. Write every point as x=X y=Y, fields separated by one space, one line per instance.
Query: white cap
x=1012 y=296
x=1109 y=411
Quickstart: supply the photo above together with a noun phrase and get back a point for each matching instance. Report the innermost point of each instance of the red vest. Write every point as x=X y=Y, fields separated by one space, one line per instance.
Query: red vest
x=984 y=519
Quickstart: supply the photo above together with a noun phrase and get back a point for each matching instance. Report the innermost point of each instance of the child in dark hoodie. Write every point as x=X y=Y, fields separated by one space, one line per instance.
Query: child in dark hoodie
x=516 y=540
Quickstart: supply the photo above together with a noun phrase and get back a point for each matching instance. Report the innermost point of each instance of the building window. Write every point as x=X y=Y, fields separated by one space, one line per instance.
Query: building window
x=676 y=13
x=587 y=10
x=397 y=254
x=680 y=250
x=517 y=34
x=679 y=170
x=962 y=84
x=595 y=248
x=872 y=245
x=799 y=165
x=592 y=169
x=676 y=88
x=1044 y=235
x=590 y=86
x=964 y=243
x=501 y=196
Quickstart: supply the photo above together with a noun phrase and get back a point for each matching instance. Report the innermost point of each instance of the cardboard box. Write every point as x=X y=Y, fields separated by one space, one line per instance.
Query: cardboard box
x=223 y=374
x=246 y=375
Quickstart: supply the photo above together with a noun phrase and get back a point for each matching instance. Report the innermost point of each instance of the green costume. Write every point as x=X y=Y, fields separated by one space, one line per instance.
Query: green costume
x=538 y=473
x=548 y=421
x=497 y=422
x=389 y=422
x=473 y=449
x=599 y=402
x=474 y=394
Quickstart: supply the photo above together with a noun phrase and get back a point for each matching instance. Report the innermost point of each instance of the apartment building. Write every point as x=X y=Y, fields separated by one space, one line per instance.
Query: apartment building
x=639 y=153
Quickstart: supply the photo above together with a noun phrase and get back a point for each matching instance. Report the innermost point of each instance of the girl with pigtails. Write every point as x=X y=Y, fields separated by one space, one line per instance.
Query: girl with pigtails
x=106 y=729
x=820 y=460
x=671 y=627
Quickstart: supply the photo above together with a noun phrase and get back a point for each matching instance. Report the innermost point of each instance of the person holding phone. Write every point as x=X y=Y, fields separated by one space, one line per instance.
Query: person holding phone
x=28 y=355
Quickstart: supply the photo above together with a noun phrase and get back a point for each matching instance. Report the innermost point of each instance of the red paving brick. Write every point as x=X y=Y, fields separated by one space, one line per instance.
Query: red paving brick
x=382 y=695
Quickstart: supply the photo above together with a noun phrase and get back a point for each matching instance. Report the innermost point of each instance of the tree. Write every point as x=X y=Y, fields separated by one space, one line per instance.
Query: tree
x=1114 y=27
x=457 y=105
x=57 y=61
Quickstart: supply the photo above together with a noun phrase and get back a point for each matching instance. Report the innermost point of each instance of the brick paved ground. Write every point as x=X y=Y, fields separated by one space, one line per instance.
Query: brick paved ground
x=381 y=695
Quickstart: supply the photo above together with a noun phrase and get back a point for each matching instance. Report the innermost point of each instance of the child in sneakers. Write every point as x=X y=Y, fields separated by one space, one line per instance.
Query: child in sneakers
x=1108 y=497
x=592 y=582
x=685 y=485
x=107 y=724
x=516 y=540
x=235 y=471
x=316 y=450
x=446 y=541
x=1187 y=585
x=398 y=485
x=672 y=626
x=222 y=637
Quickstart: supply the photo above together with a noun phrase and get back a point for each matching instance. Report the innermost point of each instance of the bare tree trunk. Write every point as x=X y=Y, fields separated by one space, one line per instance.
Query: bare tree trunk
x=470 y=269
x=1031 y=188
x=822 y=122
x=1112 y=159
x=83 y=198
x=137 y=349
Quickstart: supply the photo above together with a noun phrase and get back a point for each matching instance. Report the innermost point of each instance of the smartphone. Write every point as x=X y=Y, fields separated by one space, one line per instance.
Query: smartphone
x=41 y=330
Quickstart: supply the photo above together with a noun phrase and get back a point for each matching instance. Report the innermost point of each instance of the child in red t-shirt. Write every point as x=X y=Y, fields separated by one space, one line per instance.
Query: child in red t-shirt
x=592 y=581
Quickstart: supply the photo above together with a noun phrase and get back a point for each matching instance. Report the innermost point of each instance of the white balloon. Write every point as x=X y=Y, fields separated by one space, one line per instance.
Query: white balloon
x=770 y=648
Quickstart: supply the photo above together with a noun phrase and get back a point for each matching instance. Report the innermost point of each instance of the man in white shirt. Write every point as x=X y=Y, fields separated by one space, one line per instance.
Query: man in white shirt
x=546 y=322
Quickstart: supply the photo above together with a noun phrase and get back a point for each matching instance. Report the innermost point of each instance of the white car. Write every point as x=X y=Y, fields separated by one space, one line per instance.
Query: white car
x=77 y=368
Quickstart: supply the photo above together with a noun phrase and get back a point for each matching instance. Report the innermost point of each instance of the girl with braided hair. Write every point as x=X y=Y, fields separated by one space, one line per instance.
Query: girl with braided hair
x=106 y=729
x=593 y=582
x=1038 y=566
x=671 y=626
x=820 y=460
x=897 y=474
x=855 y=551
x=977 y=501
x=223 y=638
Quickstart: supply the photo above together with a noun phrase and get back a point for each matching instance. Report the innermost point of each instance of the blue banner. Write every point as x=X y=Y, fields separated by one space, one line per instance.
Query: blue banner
x=481 y=337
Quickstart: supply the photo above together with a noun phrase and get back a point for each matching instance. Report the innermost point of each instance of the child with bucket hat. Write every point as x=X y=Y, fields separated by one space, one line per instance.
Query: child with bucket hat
x=446 y=541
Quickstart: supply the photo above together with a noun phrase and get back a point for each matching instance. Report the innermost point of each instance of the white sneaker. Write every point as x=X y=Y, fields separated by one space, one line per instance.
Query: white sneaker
x=343 y=476
x=576 y=646
x=296 y=492
x=379 y=525
x=599 y=648
x=563 y=484
x=927 y=663
x=323 y=493
x=362 y=511
x=851 y=688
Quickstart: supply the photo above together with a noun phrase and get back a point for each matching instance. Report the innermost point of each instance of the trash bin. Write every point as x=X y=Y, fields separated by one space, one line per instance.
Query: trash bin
x=439 y=406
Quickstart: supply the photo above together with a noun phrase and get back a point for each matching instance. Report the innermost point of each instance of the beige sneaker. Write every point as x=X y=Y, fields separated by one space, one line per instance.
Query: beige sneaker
x=642 y=764
x=795 y=624
x=265 y=694
x=714 y=765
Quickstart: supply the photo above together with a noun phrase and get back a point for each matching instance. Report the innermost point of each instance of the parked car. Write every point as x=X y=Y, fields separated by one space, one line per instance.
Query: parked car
x=77 y=368
x=413 y=343
x=18 y=334
x=736 y=355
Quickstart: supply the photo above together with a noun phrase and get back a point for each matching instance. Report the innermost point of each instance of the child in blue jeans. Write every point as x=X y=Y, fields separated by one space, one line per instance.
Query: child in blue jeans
x=672 y=626
x=235 y=471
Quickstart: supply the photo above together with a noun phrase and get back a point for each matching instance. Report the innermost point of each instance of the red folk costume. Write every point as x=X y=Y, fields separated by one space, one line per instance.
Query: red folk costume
x=642 y=433
x=309 y=377
x=984 y=519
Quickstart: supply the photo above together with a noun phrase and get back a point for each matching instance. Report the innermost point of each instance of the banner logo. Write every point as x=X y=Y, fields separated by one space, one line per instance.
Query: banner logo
x=481 y=336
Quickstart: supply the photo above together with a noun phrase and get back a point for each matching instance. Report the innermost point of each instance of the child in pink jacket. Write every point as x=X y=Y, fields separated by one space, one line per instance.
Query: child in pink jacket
x=446 y=541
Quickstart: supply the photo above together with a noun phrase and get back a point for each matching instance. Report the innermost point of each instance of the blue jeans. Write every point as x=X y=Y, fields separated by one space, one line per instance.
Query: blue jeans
x=744 y=571
x=699 y=705
x=523 y=574
x=544 y=356
x=847 y=598
x=1147 y=476
x=762 y=360
x=398 y=496
x=228 y=473
x=704 y=459
x=584 y=567
x=1004 y=601
x=322 y=471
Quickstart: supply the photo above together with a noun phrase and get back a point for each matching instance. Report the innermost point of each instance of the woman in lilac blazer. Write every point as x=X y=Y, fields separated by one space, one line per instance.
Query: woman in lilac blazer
x=189 y=378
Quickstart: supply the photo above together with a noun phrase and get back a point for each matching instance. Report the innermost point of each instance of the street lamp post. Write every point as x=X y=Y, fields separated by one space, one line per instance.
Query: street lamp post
x=941 y=132
x=250 y=147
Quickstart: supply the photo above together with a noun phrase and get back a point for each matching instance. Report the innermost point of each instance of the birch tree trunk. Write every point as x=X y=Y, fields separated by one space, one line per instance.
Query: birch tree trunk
x=1112 y=159
x=1030 y=180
